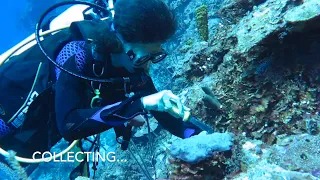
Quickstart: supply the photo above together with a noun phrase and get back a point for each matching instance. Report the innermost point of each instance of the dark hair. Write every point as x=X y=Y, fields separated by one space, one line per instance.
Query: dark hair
x=144 y=21
x=105 y=40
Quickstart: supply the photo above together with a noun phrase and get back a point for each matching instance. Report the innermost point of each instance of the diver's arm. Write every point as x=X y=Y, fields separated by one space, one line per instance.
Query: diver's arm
x=74 y=122
x=74 y=119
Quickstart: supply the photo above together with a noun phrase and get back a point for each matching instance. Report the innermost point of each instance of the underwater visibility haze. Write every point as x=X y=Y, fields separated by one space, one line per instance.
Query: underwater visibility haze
x=249 y=70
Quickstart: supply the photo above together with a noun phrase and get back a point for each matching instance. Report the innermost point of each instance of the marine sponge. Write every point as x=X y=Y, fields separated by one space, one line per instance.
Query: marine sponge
x=200 y=147
x=202 y=21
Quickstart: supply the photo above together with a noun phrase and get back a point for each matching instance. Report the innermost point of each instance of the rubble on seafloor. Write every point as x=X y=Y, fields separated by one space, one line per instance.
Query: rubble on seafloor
x=293 y=157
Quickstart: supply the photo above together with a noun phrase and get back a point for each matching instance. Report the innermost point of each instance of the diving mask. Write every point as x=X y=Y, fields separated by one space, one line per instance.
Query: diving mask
x=153 y=57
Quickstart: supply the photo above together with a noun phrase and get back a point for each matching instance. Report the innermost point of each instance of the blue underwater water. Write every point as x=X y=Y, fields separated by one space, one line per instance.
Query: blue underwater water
x=19 y=18
x=254 y=80
x=11 y=29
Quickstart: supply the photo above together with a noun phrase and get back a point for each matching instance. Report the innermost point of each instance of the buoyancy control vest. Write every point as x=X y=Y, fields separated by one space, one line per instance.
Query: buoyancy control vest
x=27 y=93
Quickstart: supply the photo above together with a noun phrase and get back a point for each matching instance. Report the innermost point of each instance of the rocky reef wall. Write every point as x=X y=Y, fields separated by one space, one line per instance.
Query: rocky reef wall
x=261 y=61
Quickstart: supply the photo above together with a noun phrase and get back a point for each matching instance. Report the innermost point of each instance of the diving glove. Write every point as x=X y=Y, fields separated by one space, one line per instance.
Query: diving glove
x=166 y=101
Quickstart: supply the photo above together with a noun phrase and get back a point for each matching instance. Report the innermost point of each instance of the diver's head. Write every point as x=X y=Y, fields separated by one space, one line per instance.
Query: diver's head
x=144 y=21
x=142 y=26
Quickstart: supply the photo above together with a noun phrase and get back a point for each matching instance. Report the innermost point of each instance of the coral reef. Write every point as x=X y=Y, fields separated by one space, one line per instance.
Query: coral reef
x=273 y=98
x=218 y=166
x=233 y=11
x=15 y=165
x=203 y=63
x=267 y=77
x=7 y=173
x=289 y=154
x=262 y=62
x=213 y=168
x=202 y=22
x=288 y=159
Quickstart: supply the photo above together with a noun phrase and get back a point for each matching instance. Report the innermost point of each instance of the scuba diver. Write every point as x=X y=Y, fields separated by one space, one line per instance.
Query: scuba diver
x=99 y=81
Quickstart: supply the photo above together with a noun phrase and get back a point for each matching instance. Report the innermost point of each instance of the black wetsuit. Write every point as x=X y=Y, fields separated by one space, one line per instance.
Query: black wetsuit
x=73 y=96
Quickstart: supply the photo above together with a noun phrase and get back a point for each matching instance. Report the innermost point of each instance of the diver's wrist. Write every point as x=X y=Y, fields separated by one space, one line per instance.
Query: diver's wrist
x=143 y=103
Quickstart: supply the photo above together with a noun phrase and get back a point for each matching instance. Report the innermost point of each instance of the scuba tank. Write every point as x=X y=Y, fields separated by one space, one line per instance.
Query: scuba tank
x=37 y=81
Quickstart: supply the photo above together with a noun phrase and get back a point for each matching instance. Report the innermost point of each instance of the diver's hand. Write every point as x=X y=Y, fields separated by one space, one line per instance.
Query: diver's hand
x=168 y=102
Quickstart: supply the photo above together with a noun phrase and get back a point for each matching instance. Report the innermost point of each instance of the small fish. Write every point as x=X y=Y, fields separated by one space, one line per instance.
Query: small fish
x=211 y=99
